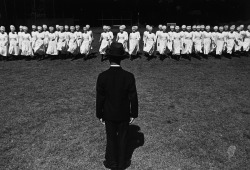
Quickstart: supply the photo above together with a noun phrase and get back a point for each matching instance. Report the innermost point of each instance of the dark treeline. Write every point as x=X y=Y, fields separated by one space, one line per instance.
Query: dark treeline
x=150 y=11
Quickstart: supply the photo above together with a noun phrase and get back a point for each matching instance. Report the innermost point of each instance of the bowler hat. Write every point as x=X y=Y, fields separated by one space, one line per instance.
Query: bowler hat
x=116 y=50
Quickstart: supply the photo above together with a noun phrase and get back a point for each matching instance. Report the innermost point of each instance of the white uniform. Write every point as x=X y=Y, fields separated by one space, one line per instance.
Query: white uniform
x=225 y=34
x=150 y=40
x=214 y=40
x=220 y=43
x=39 y=46
x=14 y=47
x=145 y=34
x=91 y=34
x=163 y=42
x=177 y=43
x=3 y=44
x=72 y=43
x=52 y=46
x=33 y=36
x=239 y=41
x=78 y=40
x=26 y=45
x=62 y=42
x=111 y=36
x=246 y=43
x=105 y=42
x=207 y=42
x=20 y=38
x=188 y=43
x=230 y=42
x=158 y=33
x=123 y=38
x=197 y=39
x=183 y=33
x=134 y=39
x=85 y=47
x=170 y=43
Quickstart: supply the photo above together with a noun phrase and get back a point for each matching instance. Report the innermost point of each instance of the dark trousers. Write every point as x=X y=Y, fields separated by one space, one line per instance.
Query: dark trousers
x=117 y=137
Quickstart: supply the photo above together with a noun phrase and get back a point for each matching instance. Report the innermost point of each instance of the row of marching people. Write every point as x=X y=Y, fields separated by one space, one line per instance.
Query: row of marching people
x=63 y=41
x=185 y=41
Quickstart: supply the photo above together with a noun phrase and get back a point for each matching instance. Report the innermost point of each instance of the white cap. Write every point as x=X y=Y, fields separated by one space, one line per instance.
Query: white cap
x=183 y=26
x=215 y=27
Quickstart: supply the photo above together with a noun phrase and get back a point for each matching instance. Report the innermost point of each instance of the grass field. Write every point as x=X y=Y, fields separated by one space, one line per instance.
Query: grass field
x=193 y=115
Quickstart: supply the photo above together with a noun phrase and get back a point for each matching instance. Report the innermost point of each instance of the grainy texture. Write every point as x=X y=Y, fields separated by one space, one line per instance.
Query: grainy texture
x=191 y=112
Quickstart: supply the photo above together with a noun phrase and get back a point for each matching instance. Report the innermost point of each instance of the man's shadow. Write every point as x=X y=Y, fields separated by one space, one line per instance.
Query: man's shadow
x=135 y=140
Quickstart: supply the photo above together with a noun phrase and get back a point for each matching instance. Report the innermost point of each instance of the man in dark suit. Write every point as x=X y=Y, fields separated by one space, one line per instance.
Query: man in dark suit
x=116 y=107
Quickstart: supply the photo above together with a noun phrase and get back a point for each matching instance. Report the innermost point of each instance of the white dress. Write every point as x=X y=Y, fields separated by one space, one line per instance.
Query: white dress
x=150 y=40
x=39 y=46
x=162 y=42
x=183 y=34
x=20 y=38
x=33 y=36
x=220 y=43
x=207 y=42
x=52 y=46
x=170 y=43
x=72 y=43
x=197 y=39
x=85 y=47
x=105 y=42
x=239 y=41
x=246 y=43
x=62 y=42
x=14 y=47
x=157 y=34
x=92 y=37
x=123 y=38
x=176 y=43
x=26 y=45
x=188 y=43
x=46 y=39
x=225 y=34
x=111 y=37
x=145 y=34
x=214 y=40
x=134 y=39
x=3 y=44
x=230 y=42
x=78 y=40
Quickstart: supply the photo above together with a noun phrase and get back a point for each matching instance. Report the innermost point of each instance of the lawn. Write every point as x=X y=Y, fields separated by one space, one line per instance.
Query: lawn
x=193 y=115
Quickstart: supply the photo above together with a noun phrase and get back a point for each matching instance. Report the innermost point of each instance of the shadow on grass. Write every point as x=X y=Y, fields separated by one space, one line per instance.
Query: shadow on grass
x=135 y=140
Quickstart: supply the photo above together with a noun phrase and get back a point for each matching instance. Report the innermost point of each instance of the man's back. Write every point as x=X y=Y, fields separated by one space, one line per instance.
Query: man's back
x=116 y=95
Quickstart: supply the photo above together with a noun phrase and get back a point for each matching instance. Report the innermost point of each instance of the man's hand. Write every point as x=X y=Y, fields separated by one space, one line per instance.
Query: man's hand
x=102 y=121
x=131 y=120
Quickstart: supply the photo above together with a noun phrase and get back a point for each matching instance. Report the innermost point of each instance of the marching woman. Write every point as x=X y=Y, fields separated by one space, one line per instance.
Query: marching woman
x=134 y=39
x=197 y=39
x=86 y=43
x=231 y=41
x=145 y=35
x=177 y=42
x=3 y=42
x=26 y=44
x=214 y=39
x=72 y=42
x=150 y=41
x=170 y=43
x=207 y=41
x=33 y=35
x=62 y=42
x=111 y=34
x=220 y=42
x=66 y=31
x=246 y=43
x=46 y=34
x=157 y=34
x=122 y=37
x=183 y=32
x=13 y=39
x=90 y=32
x=104 y=41
x=78 y=34
x=163 y=41
x=239 y=41
x=39 y=44
x=188 y=42
x=20 y=38
x=139 y=35
x=52 y=46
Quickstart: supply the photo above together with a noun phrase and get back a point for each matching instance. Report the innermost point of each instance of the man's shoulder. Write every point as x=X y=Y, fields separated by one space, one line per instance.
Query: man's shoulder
x=122 y=71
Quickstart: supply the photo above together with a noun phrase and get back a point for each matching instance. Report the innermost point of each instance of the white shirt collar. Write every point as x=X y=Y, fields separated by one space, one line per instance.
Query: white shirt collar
x=115 y=65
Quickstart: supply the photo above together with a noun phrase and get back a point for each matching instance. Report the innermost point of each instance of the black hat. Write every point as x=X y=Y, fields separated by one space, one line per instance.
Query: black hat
x=116 y=50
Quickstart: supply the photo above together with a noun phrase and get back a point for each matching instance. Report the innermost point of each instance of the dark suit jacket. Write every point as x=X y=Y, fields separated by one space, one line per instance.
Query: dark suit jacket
x=116 y=97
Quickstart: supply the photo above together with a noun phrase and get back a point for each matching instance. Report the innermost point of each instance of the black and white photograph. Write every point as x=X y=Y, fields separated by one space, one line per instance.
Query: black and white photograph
x=125 y=85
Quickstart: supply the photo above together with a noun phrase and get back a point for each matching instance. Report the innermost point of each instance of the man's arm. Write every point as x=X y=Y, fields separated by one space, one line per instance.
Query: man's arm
x=133 y=99
x=100 y=98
